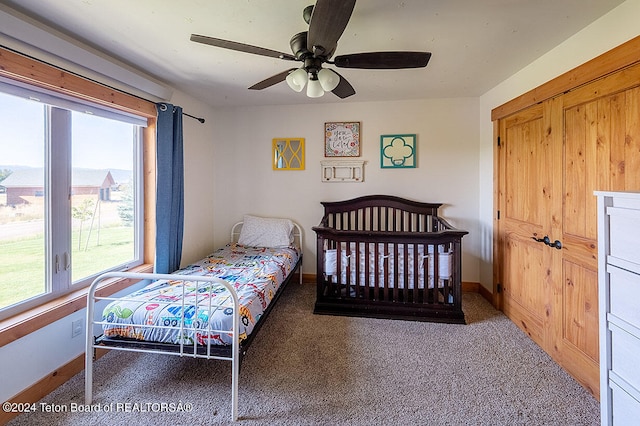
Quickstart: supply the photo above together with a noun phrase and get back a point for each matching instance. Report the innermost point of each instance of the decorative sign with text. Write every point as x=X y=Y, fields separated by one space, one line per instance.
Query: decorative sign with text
x=342 y=139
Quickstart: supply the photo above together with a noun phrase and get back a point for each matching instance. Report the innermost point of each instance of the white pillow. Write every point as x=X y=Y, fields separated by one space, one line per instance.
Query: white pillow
x=266 y=232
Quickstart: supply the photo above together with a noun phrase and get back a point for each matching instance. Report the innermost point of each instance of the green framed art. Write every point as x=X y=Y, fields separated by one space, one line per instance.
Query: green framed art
x=398 y=151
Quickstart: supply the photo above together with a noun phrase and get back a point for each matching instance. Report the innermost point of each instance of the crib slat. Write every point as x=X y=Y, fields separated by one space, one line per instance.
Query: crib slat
x=425 y=274
x=446 y=283
x=395 y=269
x=374 y=218
x=376 y=286
x=338 y=282
x=454 y=291
x=436 y=274
x=385 y=293
x=367 y=270
x=356 y=259
x=350 y=268
x=413 y=278
x=356 y=222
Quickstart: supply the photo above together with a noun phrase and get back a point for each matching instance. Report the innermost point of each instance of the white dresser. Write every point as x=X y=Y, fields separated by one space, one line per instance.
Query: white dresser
x=619 y=306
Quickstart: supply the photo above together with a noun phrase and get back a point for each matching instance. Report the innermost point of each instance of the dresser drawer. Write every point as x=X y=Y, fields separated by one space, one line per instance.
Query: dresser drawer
x=624 y=233
x=624 y=295
x=625 y=348
x=625 y=408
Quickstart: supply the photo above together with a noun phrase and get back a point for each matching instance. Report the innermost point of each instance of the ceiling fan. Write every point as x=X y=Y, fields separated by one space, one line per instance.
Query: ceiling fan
x=327 y=21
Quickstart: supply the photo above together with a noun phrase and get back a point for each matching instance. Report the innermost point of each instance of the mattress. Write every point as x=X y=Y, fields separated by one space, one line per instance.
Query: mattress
x=157 y=313
x=399 y=278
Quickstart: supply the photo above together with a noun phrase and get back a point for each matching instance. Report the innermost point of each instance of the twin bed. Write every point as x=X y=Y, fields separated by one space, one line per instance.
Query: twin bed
x=379 y=256
x=210 y=309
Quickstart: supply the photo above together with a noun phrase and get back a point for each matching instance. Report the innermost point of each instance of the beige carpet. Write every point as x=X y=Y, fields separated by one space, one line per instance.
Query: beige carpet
x=305 y=369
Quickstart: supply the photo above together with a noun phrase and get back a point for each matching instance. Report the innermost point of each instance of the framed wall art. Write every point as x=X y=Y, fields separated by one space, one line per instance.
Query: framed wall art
x=288 y=154
x=342 y=139
x=397 y=151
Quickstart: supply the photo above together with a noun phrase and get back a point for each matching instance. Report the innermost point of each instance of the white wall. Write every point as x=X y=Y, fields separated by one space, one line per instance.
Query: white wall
x=446 y=172
x=611 y=30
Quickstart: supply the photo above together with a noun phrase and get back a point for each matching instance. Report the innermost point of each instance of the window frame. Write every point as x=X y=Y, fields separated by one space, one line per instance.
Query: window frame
x=26 y=70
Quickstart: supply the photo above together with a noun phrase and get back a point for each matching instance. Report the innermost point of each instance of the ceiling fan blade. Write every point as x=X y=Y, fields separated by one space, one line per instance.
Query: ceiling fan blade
x=344 y=89
x=383 y=60
x=274 y=79
x=241 y=47
x=328 y=21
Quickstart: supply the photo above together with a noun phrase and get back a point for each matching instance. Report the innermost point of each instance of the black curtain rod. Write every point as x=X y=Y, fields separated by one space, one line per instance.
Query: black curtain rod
x=194 y=117
x=163 y=107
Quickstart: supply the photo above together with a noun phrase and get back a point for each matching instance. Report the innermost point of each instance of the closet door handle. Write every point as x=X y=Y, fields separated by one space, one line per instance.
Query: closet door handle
x=545 y=240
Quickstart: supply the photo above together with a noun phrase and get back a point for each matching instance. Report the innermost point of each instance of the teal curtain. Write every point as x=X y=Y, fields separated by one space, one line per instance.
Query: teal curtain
x=169 y=188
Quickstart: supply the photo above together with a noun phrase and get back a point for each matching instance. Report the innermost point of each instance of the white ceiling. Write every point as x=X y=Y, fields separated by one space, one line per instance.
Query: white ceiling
x=475 y=44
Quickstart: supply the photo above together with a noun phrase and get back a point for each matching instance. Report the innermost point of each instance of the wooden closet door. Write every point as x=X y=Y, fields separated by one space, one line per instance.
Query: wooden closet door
x=552 y=158
x=590 y=127
x=601 y=152
x=526 y=184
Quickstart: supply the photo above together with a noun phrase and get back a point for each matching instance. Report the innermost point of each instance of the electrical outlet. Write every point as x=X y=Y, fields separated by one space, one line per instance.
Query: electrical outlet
x=76 y=328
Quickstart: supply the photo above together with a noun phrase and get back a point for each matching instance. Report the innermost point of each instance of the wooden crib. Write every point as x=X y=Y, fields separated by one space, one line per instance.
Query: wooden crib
x=387 y=257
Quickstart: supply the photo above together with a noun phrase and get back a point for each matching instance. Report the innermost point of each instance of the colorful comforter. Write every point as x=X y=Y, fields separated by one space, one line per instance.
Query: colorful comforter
x=157 y=313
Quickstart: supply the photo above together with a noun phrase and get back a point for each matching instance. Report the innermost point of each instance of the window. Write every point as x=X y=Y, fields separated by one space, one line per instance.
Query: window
x=70 y=194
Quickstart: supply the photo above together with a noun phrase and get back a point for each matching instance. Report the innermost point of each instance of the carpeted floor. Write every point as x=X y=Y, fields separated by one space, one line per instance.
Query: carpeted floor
x=305 y=369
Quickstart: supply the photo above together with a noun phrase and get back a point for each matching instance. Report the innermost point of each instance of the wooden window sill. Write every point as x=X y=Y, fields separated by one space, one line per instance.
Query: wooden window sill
x=27 y=322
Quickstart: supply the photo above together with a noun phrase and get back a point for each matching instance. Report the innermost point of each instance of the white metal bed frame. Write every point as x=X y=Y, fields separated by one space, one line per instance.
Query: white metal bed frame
x=234 y=357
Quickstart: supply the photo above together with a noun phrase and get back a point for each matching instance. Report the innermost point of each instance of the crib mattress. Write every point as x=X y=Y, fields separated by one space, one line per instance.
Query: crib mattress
x=156 y=312
x=386 y=256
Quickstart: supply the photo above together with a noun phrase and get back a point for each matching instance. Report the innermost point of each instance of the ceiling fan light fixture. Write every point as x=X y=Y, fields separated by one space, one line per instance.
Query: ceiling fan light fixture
x=297 y=79
x=328 y=79
x=314 y=88
x=327 y=21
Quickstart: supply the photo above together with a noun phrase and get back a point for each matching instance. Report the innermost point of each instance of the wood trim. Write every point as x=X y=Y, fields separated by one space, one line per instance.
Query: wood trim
x=496 y=299
x=149 y=184
x=470 y=287
x=309 y=278
x=614 y=60
x=475 y=287
x=24 y=69
x=488 y=296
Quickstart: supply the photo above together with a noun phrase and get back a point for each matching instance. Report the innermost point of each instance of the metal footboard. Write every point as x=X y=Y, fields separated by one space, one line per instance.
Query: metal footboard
x=195 y=350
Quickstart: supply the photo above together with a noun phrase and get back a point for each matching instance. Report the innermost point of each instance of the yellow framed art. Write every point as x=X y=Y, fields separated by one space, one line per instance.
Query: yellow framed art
x=288 y=154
